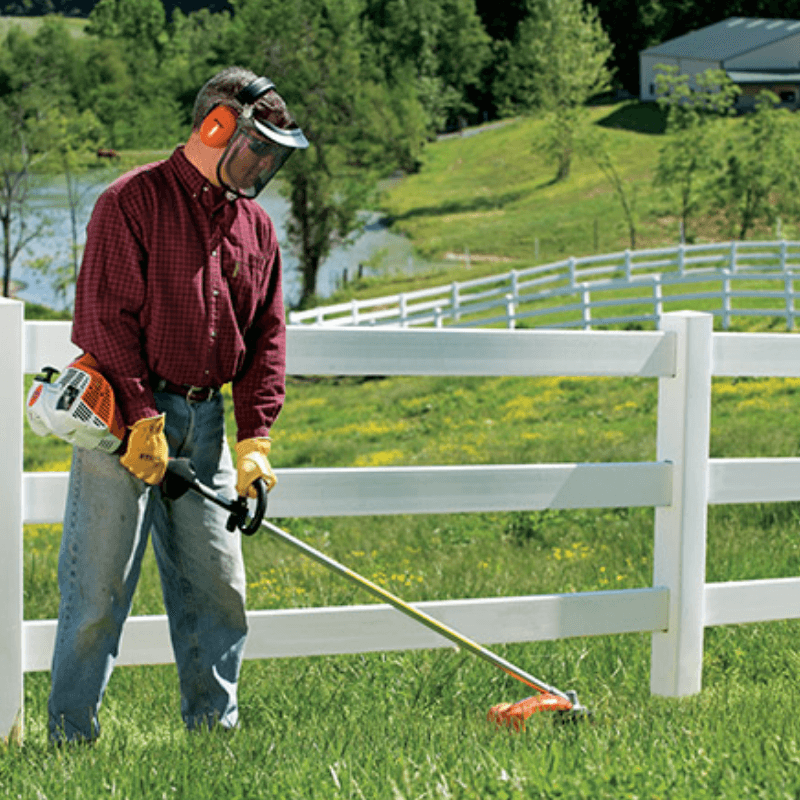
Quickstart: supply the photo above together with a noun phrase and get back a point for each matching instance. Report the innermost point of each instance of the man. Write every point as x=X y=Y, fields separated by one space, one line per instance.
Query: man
x=179 y=293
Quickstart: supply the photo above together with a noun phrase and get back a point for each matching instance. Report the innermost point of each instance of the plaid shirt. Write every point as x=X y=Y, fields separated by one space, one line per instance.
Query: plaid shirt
x=181 y=283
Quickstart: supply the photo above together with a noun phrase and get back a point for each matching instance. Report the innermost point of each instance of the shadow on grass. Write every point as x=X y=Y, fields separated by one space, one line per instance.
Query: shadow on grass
x=637 y=116
x=469 y=205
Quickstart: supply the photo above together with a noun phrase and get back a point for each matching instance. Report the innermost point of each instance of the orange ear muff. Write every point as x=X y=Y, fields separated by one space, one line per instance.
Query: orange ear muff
x=218 y=126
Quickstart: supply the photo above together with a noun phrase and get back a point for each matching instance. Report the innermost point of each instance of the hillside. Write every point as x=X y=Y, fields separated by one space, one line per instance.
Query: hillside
x=490 y=194
x=494 y=193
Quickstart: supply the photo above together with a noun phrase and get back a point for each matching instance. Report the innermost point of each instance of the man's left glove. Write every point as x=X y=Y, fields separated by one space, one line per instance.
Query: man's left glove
x=251 y=464
x=148 y=453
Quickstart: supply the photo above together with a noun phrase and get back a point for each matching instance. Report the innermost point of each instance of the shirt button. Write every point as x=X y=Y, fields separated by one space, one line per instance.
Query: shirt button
x=215 y=293
x=214 y=253
x=213 y=334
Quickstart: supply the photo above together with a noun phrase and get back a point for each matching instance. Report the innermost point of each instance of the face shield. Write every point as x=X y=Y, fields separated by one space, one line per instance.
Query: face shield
x=256 y=151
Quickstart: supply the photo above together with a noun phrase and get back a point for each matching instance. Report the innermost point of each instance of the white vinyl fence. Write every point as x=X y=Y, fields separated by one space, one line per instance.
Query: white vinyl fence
x=634 y=287
x=680 y=484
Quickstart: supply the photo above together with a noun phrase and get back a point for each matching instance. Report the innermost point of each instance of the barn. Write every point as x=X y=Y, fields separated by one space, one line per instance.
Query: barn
x=755 y=53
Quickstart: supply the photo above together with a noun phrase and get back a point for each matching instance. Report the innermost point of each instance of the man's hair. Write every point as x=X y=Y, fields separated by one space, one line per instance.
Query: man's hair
x=223 y=88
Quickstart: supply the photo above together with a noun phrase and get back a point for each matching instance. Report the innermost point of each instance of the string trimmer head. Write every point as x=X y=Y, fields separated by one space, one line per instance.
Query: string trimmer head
x=513 y=715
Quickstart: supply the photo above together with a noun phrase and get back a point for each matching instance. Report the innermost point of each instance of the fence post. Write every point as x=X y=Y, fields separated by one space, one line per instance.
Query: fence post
x=455 y=302
x=11 y=610
x=726 y=300
x=788 y=288
x=586 y=308
x=403 y=305
x=511 y=313
x=679 y=561
x=514 y=275
x=628 y=266
x=572 y=272
x=658 y=296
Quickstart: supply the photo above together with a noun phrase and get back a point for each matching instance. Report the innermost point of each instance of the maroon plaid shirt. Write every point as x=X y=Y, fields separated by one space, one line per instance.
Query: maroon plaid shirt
x=181 y=283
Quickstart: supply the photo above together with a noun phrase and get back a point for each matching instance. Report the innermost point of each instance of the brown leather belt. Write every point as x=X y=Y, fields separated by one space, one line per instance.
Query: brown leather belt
x=194 y=394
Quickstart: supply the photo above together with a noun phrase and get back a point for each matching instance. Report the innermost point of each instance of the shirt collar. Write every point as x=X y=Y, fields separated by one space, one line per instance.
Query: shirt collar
x=210 y=196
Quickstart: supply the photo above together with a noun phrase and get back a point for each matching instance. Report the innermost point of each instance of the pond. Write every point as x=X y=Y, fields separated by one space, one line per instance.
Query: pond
x=393 y=253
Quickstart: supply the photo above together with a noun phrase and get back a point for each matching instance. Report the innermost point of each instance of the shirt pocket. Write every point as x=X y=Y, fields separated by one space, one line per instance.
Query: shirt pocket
x=244 y=273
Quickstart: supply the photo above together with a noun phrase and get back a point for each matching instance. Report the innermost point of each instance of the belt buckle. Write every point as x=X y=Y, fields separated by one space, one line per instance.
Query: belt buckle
x=199 y=390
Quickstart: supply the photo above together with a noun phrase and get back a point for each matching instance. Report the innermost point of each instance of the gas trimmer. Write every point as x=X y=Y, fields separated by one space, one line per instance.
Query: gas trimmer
x=181 y=477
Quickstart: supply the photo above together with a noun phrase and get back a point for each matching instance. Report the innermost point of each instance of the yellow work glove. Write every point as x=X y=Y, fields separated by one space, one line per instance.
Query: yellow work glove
x=251 y=464
x=148 y=452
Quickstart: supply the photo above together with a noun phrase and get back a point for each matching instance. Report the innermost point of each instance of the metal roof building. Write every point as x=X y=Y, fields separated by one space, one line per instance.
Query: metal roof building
x=755 y=53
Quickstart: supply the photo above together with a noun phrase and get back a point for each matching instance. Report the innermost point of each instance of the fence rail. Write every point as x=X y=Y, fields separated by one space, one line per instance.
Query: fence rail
x=680 y=484
x=586 y=292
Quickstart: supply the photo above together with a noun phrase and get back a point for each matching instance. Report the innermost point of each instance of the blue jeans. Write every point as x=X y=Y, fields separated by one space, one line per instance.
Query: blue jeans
x=108 y=518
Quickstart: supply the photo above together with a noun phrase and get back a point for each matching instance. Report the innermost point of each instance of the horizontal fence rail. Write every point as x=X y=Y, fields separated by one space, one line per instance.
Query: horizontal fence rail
x=679 y=484
x=632 y=287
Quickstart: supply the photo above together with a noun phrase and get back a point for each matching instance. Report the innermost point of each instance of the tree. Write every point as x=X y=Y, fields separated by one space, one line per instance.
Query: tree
x=558 y=62
x=687 y=166
x=18 y=224
x=130 y=94
x=439 y=45
x=757 y=181
x=596 y=145
x=194 y=51
x=634 y=25
x=73 y=136
x=359 y=125
x=140 y=22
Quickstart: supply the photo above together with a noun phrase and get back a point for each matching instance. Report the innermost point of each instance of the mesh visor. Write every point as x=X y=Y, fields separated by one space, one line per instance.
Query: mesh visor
x=256 y=151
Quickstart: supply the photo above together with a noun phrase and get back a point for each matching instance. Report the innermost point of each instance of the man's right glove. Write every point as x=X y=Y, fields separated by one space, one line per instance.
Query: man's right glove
x=148 y=453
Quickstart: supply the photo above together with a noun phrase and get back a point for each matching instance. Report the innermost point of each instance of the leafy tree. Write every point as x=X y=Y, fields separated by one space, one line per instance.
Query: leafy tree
x=139 y=22
x=440 y=45
x=130 y=95
x=687 y=163
x=194 y=51
x=757 y=181
x=111 y=93
x=35 y=79
x=596 y=145
x=19 y=224
x=359 y=127
x=634 y=25
x=558 y=62
x=73 y=138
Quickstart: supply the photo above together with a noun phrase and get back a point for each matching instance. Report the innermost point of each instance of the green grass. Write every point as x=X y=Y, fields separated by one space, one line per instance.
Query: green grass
x=30 y=25
x=412 y=724
x=492 y=194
